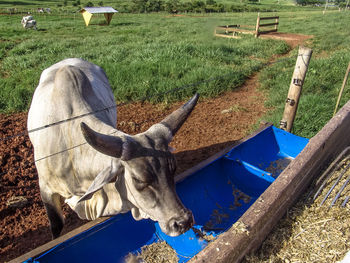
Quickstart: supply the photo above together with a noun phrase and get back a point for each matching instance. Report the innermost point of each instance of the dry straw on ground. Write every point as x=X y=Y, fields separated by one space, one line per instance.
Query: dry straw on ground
x=310 y=232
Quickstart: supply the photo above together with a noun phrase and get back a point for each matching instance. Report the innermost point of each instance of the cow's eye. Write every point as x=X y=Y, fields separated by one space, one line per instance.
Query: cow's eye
x=139 y=185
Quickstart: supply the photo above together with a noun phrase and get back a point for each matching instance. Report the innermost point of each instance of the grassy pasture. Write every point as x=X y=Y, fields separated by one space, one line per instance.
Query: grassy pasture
x=147 y=54
x=142 y=55
x=330 y=58
x=331 y=55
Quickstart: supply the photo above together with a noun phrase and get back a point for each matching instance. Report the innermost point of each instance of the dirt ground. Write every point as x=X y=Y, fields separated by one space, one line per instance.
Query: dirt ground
x=213 y=125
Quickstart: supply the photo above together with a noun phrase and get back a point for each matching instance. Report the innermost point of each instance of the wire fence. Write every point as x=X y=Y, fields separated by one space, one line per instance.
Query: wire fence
x=145 y=98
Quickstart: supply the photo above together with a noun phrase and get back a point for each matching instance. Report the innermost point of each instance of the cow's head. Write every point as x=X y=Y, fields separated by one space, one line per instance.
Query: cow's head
x=149 y=167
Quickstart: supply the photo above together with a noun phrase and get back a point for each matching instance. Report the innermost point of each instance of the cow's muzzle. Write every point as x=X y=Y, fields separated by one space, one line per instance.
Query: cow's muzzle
x=178 y=225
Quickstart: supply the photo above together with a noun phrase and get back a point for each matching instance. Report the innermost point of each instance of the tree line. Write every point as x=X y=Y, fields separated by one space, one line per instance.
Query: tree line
x=178 y=6
x=339 y=3
x=199 y=6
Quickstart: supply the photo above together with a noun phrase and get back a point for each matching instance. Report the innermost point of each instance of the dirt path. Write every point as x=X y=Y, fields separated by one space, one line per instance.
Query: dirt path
x=213 y=125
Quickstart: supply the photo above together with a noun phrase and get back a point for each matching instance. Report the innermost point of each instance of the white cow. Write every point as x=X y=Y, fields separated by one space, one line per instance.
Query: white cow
x=28 y=22
x=113 y=172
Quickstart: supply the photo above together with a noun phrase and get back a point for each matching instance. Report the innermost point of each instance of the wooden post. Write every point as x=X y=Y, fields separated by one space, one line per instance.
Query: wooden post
x=257 y=26
x=295 y=88
x=276 y=21
x=108 y=17
x=325 y=7
x=342 y=89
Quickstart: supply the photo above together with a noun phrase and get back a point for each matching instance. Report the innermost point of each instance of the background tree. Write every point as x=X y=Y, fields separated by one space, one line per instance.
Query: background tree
x=154 y=5
x=172 y=6
x=139 y=6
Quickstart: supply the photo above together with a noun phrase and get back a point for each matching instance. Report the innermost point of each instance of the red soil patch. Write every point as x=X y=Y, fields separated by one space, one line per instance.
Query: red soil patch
x=292 y=40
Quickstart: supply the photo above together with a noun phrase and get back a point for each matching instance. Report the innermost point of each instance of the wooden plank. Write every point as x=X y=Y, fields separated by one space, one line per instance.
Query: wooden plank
x=224 y=27
x=227 y=30
x=264 y=214
x=247 y=26
x=243 y=31
x=227 y=36
x=268 y=18
x=267 y=31
x=276 y=21
x=42 y=249
x=269 y=24
x=257 y=26
x=235 y=26
x=248 y=32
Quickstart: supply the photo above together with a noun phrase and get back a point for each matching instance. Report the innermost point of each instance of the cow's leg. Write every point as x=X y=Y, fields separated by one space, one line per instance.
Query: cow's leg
x=53 y=208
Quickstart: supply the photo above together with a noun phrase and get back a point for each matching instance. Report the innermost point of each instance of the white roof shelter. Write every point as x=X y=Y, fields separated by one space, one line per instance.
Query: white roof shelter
x=88 y=12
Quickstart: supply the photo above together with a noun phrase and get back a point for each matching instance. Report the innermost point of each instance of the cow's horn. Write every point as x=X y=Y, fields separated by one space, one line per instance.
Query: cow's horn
x=106 y=144
x=175 y=120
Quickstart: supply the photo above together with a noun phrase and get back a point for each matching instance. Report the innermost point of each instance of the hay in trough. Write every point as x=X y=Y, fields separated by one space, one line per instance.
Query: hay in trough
x=158 y=252
x=310 y=232
x=221 y=214
x=204 y=235
x=277 y=167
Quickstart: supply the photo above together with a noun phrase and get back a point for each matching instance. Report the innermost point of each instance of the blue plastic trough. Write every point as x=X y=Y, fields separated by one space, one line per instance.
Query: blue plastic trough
x=218 y=194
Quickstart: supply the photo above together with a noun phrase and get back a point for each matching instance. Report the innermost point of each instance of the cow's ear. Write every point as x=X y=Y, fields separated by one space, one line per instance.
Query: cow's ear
x=106 y=176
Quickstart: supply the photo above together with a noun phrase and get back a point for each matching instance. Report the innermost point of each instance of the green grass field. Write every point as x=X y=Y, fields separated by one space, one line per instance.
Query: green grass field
x=149 y=54
x=143 y=55
x=330 y=58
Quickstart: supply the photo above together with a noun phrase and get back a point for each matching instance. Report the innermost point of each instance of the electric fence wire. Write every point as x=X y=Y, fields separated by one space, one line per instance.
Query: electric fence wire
x=143 y=99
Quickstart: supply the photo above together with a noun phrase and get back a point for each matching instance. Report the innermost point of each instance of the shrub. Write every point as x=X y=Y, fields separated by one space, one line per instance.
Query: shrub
x=89 y=4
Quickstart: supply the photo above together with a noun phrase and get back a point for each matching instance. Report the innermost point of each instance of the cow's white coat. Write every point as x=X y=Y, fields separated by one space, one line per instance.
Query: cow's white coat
x=48 y=106
x=28 y=22
x=68 y=167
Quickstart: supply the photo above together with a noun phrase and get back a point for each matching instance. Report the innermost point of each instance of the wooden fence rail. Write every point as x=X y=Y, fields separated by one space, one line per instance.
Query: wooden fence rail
x=258 y=31
x=231 y=31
